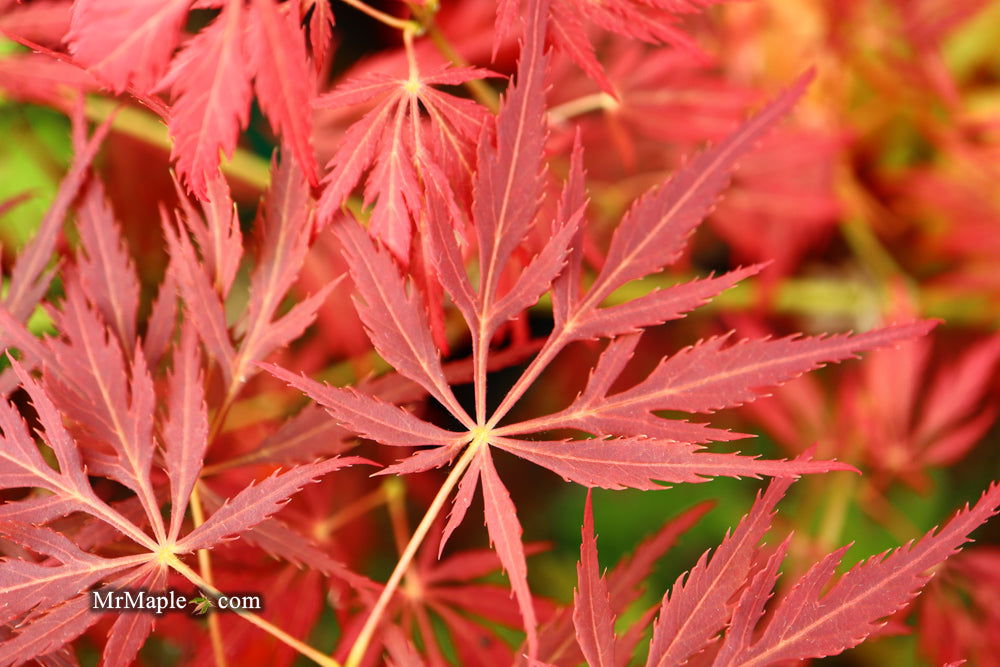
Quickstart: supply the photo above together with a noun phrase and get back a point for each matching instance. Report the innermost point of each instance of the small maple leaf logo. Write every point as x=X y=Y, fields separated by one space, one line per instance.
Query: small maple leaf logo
x=202 y=604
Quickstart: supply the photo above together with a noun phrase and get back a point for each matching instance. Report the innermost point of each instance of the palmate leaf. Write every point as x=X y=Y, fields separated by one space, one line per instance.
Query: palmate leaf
x=558 y=643
x=126 y=42
x=816 y=619
x=210 y=82
x=45 y=597
x=96 y=406
x=638 y=449
x=282 y=238
x=29 y=279
x=729 y=589
x=50 y=630
x=652 y=21
x=392 y=142
x=257 y=46
x=42 y=599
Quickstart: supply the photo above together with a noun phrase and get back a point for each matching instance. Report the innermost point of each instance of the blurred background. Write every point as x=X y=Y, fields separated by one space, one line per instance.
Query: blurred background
x=878 y=201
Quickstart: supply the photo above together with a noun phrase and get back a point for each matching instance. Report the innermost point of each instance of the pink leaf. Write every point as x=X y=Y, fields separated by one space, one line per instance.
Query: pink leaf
x=396 y=321
x=28 y=281
x=708 y=377
x=52 y=630
x=566 y=287
x=358 y=150
x=24 y=466
x=750 y=607
x=537 y=276
x=106 y=270
x=35 y=586
x=186 y=430
x=284 y=82
x=698 y=606
x=284 y=232
x=394 y=187
x=422 y=461
x=508 y=183
x=130 y=631
x=463 y=499
x=391 y=140
x=257 y=502
x=443 y=220
x=210 y=81
x=959 y=388
x=592 y=613
x=216 y=231
x=505 y=534
x=126 y=42
x=636 y=462
x=657 y=307
x=811 y=623
x=90 y=384
x=369 y=416
x=201 y=302
x=162 y=320
x=310 y=434
x=655 y=229
x=569 y=34
x=321 y=33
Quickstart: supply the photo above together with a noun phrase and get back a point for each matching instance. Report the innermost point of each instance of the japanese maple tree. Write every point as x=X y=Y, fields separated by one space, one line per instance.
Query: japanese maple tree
x=210 y=392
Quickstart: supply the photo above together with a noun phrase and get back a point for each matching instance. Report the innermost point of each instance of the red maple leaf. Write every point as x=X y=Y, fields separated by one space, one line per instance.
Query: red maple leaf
x=395 y=144
x=635 y=448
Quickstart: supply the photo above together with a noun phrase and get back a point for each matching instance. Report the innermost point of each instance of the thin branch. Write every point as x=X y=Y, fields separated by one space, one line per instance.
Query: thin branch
x=382 y=17
x=205 y=565
x=148 y=128
x=271 y=629
x=479 y=89
x=360 y=646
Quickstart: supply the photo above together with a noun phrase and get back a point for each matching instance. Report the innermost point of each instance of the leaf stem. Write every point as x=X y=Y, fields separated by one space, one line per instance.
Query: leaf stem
x=577 y=107
x=479 y=89
x=244 y=166
x=867 y=247
x=382 y=17
x=219 y=418
x=273 y=630
x=345 y=515
x=395 y=494
x=205 y=565
x=357 y=653
x=839 y=491
x=480 y=355
x=411 y=57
